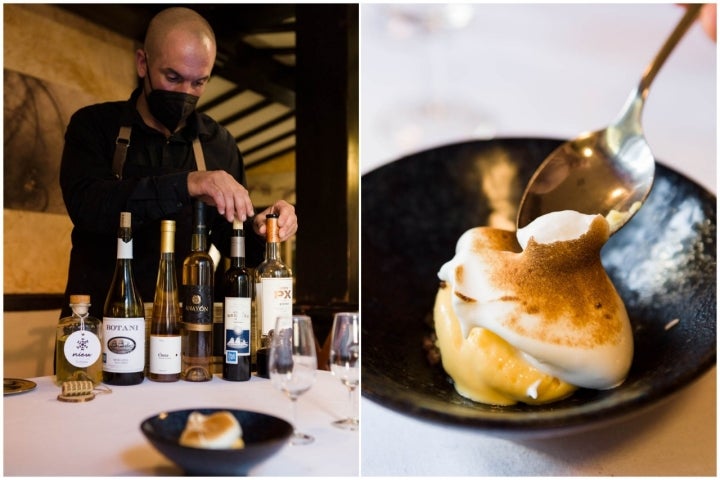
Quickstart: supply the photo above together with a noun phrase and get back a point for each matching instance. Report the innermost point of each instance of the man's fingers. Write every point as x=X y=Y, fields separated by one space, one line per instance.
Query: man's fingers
x=220 y=189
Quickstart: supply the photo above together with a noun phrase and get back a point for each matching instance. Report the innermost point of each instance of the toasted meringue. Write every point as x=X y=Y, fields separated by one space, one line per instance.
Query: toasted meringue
x=541 y=307
x=219 y=430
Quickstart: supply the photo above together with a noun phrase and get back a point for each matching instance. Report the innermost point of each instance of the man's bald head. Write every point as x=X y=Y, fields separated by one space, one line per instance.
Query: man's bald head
x=178 y=21
x=178 y=58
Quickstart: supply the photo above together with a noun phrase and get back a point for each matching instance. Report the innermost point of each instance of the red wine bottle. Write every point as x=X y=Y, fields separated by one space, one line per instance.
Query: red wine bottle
x=237 y=310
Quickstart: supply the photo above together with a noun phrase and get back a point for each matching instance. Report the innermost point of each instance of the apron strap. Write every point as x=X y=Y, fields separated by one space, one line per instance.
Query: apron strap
x=122 y=143
x=199 y=157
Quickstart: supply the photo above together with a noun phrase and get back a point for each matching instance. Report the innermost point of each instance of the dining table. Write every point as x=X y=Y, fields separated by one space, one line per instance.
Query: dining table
x=433 y=75
x=102 y=437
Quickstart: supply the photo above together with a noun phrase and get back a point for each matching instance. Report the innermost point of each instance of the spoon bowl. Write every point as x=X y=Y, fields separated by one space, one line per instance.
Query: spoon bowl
x=608 y=172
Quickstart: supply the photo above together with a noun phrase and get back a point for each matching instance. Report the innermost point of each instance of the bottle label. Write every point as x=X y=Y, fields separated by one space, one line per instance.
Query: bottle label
x=124 y=249
x=165 y=354
x=197 y=304
x=237 y=328
x=275 y=295
x=82 y=348
x=124 y=347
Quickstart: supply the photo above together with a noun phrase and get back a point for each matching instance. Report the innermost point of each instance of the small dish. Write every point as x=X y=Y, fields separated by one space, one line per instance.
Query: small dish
x=263 y=435
x=13 y=386
x=663 y=264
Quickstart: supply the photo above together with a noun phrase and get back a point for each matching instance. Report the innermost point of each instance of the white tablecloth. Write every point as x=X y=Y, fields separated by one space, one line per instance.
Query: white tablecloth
x=547 y=71
x=43 y=436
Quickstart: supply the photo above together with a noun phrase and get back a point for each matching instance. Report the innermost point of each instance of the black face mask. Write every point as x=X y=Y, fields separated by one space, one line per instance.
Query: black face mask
x=170 y=108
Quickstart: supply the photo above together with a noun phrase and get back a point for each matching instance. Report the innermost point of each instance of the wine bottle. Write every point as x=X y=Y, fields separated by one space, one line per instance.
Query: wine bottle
x=78 y=352
x=165 y=337
x=237 y=310
x=273 y=293
x=123 y=318
x=197 y=295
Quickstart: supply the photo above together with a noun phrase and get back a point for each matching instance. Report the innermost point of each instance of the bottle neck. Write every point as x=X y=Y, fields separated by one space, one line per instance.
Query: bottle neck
x=167 y=240
x=237 y=250
x=272 y=247
x=80 y=310
x=168 y=258
x=123 y=269
x=272 y=251
x=198 y=242
x=80 y=313
x=124 y=251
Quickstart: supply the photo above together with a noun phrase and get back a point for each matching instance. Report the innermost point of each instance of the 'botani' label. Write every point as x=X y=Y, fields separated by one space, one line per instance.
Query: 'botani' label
x=124 y=347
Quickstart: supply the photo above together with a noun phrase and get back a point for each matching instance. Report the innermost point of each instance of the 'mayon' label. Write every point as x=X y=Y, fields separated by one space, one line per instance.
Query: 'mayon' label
x=197 y=304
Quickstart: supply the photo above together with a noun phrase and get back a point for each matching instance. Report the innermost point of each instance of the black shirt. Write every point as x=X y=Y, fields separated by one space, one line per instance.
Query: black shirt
x=153 y=187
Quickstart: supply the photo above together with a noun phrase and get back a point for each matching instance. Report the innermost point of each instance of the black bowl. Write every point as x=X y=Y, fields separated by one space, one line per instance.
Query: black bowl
x=263 y=435
x=663 y=263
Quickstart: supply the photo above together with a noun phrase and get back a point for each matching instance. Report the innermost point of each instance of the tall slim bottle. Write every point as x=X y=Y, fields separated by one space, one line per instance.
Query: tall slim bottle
x=197 y=295
x=273 y=292
x=165 y=335
x=237 y=310
x=123 y=318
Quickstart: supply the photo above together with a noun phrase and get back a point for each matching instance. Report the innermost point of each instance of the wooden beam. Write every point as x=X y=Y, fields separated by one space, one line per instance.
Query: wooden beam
x=326 y=125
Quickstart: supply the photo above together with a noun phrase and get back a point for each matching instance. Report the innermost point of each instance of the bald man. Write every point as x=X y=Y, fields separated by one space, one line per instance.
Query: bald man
x=141 y=156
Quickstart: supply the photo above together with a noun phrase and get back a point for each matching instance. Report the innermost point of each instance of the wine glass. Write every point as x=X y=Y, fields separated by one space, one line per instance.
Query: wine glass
x=344 y=360
x=293 y=362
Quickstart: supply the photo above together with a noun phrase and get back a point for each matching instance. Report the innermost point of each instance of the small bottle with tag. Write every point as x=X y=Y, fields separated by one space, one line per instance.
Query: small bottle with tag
x=78 y=347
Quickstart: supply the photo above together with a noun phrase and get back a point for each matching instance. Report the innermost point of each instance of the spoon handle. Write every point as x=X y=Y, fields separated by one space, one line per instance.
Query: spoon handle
x=693 y=10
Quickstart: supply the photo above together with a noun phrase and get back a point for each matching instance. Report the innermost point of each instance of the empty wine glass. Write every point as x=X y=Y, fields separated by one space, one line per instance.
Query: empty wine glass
x=344 y=360
x=293 y=362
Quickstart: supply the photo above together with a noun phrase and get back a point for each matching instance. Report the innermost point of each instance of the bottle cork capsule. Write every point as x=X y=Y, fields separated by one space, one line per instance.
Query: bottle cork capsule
x=167 y=236
x=273 y=235
x=75 y=299
x=167 y=225
x=125 y=220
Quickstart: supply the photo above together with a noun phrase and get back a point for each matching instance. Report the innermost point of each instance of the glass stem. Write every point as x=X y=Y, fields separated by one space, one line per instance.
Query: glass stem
x=295 y=423
x=353 y=403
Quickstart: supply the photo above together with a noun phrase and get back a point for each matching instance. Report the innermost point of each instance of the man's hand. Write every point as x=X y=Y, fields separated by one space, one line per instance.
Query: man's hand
x=708 y=20
x=218 y=188
x=287 y=221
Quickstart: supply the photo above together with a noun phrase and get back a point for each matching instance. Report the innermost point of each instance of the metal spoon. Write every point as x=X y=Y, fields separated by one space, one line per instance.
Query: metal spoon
x=605 y=171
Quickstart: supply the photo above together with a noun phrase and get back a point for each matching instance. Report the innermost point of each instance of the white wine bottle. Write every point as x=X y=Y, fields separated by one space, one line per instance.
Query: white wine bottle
x=273 y=293
x=237 y=310
x=78 y=352
x=197 y=296
x=124 y=318
x=165 y=335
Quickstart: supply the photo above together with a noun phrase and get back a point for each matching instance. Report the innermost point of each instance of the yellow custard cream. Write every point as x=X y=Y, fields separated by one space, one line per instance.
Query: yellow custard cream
x=532 y=316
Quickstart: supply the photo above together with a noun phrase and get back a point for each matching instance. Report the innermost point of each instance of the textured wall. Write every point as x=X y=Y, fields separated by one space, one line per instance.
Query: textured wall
x=75 y=63
x=85 y=64
x=48 y=43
